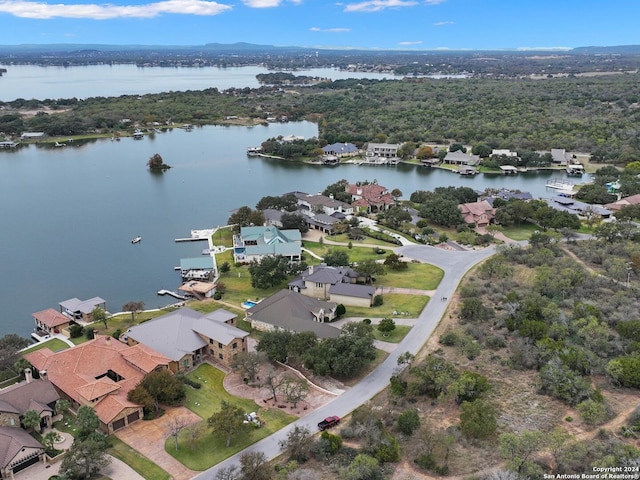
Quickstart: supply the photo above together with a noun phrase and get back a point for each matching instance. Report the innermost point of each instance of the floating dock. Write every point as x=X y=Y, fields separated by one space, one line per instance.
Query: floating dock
x=173 y=294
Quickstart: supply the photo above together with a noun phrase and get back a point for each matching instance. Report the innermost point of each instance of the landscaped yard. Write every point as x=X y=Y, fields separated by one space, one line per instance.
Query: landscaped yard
x=356 y=254
x=209 y=449
x=417 y=275
x=411 y=304
x=395 y=336
x=520 y=232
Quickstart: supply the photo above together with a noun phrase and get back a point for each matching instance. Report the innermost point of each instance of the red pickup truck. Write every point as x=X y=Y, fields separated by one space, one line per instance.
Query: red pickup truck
x=329 y=422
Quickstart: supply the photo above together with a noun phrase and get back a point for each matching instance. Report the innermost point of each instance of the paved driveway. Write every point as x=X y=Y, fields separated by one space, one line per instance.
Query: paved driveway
x=148 y=437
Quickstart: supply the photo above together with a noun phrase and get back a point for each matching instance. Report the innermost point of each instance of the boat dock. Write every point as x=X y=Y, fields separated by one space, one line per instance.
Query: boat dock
x=173 y=294
x=560 y=184
x=198 y=235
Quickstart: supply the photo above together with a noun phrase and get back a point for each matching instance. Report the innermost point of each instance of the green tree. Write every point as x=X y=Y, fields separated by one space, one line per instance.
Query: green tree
x=409 y=421
x=336 y=257
x=518 y=448
x=363 y=467
x=254 y=466
x=272 y=270
x=394 y=262
x=163 y=387
x=31 y=420
x=62 y=406
x=477 y=419
x=369 y=269
x=468 y=387
x=482 y=150
x=228 y=421
x=141 y=396
x=297 y=445
x=134 y=308
x=87 y=422
x=99 y=315
x=275 y=344
x=294 y=221
x=10 y=345
x=156 y=162
x=85 y=458
x=294 y=389
x=245 y=217
x=386 y=326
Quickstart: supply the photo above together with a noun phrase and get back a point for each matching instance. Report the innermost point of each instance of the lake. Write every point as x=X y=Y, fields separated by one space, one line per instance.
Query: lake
x=30 y=81
x=68 y=214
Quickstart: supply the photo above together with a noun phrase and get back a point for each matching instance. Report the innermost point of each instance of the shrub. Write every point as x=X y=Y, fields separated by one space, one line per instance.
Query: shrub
x=378 y=301
x=75 y=330
x=408 y=421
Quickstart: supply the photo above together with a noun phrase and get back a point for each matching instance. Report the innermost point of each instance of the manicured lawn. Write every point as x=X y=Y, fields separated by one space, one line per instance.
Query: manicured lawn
x=370 y=240
x=413 y=304
x=209 y=449
x=356 y=254
x=520 y=232
x=55 y=345
x=395 y=336
x=142 y=465
x=417 y=275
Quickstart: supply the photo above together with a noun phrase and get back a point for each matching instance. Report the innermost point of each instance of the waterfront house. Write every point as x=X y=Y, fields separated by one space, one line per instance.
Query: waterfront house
x=312 y=204
x=385 y=150
x=460 y=158
x=576 y=207
x=18 y=451
x=254 y=243
x=370 y=197
x=292 y=311
x=100 y=373
x=559 y=156
x=335 y=284
x=197 y=268
x=50 y=322
x=199 y=290
x=479 y=213
x=187 y=337
x=82 y=310
x=503 y=153
x=623 y=202
x=341 y=149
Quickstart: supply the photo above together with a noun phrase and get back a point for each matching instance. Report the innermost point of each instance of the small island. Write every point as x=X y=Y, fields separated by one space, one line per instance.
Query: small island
x=156 y=163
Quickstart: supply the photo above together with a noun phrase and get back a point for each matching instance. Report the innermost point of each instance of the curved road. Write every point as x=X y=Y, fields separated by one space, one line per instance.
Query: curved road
x=455 y=264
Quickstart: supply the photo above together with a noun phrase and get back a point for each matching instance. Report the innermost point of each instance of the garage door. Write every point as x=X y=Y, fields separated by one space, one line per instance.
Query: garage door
x=133 y=417
x=118 y=424
x=26 y=463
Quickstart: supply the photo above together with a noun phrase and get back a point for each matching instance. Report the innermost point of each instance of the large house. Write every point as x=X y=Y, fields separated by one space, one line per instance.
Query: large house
x=370 y=197
x=335 y=284
x=386 y=150
x=620 y=204
x=38 y=395
x=461 y=158
x=186 y=337
x=479 y=213
x=254 y=243
x=100 y=373
x=50 y=321
x=292 y=311
x=82 y=310
x=341 y=149
x=313 y=204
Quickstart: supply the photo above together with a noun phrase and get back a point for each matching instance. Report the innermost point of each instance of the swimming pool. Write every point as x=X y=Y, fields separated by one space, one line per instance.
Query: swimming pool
x=249 y=304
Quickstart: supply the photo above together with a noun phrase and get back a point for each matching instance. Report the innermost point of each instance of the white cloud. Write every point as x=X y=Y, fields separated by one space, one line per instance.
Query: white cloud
x=267 y=3
x=434 y=2
x=330 y=30
x=378 y=5
x=108 y=11
x=418 y=42
x=526 y=49
x=442 y=24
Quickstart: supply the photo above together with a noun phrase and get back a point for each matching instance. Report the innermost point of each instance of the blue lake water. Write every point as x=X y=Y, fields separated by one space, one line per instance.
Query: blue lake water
x=68 y=214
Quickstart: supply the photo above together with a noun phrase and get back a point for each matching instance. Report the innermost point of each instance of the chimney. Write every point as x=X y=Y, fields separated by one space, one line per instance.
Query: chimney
x=331 y=196
x=310 y=269
x=28 y=376
x=43 y=374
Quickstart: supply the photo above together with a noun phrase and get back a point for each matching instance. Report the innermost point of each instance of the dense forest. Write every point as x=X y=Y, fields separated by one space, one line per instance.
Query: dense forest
x=592 y=114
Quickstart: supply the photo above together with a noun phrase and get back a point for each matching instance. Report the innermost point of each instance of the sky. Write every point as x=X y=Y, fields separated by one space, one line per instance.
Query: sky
x=369 y=24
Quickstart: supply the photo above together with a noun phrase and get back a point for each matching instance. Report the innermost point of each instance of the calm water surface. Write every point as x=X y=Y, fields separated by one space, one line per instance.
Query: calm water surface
x=68 y=214
x=30 y=81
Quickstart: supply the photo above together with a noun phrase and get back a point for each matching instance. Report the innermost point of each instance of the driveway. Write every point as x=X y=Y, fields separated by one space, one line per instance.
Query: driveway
x=148 y=438
x=455 y=264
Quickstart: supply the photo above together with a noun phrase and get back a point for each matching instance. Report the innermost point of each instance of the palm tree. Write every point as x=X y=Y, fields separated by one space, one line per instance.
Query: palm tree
x=31 y=420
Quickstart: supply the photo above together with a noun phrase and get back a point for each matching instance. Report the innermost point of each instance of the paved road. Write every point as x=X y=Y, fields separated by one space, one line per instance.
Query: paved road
x=455 y=264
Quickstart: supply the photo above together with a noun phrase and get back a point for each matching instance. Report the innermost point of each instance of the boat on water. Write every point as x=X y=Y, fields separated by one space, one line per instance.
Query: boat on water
x=137 y=239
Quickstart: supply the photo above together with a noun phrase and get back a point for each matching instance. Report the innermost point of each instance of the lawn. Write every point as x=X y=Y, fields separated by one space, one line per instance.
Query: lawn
x=412 y=304
x=395 y=336
x=55 y=345
x=356 y=254
x=344 y=238
x=209 y=449
x=142 y=465
x=520 y=232
x=417 y=275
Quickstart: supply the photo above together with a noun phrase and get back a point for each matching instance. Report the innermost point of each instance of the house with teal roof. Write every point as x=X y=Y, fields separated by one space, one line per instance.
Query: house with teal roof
x=255 y=243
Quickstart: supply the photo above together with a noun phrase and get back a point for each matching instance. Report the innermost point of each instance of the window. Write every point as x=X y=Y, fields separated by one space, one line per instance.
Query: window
x=219 y=345
x=235 y=345
x=220 y=356
x=318 y=285
x=211 y=341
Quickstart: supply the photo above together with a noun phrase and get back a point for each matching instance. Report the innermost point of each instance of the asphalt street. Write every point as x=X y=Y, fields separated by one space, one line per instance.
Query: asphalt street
x=455 y=264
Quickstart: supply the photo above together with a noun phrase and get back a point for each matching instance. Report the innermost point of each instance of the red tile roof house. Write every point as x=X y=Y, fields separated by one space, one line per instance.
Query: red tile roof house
x=50 y=321
x=370 y=198
x=100 y=373
x=480 y=213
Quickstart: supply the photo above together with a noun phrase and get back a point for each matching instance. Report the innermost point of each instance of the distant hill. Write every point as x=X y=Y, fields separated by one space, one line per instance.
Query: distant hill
x=620 y=49
x=239 y=47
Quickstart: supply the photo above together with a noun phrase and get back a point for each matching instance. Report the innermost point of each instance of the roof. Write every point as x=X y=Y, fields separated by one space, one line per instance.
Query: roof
x=460 y=157
x=81 y=371
x=51 y=317
x=12 y=441
x=205 y=262
x=369 y=194
x=324 y=274
x=197 y=287
x=271 y=240
x=352 y=290
x=34 y=395
x=293 y=311
x=471 y=211
x=508 y=168
x=83 y=306
x=340 y=148
x=631 y=200
x=177 y=334
x=322 y=200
